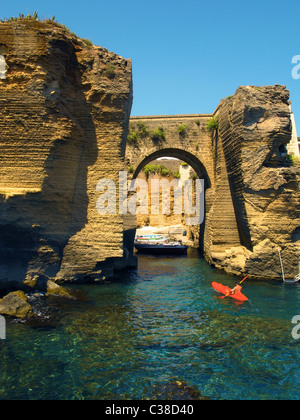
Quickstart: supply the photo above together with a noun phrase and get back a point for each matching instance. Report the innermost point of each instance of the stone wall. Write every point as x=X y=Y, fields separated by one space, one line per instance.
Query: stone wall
x=65 y=106
x=144 y=214
x=201 y=149
x=192 y=143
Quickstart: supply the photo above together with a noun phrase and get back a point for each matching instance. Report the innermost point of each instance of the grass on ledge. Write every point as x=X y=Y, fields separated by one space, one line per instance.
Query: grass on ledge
x=35 y=18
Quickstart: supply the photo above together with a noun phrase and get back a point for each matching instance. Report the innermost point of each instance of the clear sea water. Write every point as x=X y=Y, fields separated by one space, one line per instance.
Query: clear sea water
x=160 y=323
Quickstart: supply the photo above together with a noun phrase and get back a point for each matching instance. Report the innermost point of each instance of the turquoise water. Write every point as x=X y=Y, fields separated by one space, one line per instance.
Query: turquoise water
x=162 y=323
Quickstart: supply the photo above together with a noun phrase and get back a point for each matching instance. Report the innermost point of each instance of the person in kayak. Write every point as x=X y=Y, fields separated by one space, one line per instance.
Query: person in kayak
x=237 y=288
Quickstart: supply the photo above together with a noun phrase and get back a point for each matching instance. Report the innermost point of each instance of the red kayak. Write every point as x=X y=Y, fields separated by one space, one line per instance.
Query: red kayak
x=226 y=290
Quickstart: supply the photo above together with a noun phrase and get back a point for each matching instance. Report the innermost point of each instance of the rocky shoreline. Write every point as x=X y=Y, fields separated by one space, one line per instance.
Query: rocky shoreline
x=64 y=122
x=32 y=305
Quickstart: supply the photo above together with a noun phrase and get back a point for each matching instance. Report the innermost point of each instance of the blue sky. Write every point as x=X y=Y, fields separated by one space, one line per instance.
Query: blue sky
x=187 y=54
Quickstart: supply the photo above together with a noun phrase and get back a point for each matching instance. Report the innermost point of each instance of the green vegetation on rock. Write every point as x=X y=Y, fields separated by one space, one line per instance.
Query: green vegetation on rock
x=159 y=169
x=212 y=124
x=158 y=135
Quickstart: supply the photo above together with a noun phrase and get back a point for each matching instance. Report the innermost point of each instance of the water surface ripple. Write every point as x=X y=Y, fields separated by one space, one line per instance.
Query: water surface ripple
x=159 y=324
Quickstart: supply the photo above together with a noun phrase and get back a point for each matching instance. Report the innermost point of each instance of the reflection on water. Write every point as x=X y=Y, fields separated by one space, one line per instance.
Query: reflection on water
x=162 y=323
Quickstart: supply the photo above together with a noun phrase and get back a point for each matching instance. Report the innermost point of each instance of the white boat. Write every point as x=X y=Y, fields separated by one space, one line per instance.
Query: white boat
x=151 y=238
x=153 y=247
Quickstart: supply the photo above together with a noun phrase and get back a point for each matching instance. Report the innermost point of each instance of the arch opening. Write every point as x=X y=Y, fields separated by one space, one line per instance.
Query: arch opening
x=193 y=233
x=180 y=154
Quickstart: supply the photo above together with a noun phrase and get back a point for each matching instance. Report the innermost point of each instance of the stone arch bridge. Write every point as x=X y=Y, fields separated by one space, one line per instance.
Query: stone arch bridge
x=187 y=137
x=249 y=180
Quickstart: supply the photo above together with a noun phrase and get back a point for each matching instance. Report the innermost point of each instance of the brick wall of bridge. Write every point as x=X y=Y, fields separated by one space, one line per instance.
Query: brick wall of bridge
x=198 y=147
x=196 y=139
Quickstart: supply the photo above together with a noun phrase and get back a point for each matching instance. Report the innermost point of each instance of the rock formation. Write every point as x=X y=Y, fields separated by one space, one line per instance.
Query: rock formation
x=16 y=305
x=65 y=106
x=254 y=131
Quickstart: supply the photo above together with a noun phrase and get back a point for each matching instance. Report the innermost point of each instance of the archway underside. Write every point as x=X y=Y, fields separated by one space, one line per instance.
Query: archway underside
x=181 y=154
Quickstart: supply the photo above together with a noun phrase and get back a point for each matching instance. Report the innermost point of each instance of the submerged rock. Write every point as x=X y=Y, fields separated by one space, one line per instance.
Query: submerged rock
x=174 y=390
x=34 y=305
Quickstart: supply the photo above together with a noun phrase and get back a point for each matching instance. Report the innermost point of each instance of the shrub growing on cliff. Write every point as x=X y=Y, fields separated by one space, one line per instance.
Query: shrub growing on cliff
x=21 y=16
x=182 y=130
x=155 y=169
x=294 y=160
x=35 y=18
x=110 y=71
x=132 y=138
x=87 y=42
x=160 y=170
x=142 y=129
x=158 y=135
x=212 y=124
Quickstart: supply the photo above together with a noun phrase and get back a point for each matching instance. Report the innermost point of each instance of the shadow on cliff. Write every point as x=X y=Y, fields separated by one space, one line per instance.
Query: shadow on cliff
x=65 y=184
x=37 y=226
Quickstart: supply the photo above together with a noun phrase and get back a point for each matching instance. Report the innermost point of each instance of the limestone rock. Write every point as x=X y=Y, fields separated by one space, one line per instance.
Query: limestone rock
x=15 y=304
x=254 y=130
x=233 y=260
x=65 y=106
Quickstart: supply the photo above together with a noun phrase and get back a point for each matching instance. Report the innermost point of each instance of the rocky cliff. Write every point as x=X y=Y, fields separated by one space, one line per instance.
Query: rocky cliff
x=65 y=106
x=254 y=131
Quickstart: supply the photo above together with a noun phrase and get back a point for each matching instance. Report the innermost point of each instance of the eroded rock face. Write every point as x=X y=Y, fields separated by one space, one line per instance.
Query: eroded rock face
x=254 y=130
x=65 y=106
